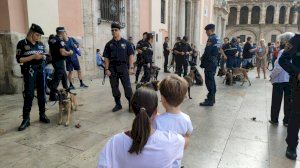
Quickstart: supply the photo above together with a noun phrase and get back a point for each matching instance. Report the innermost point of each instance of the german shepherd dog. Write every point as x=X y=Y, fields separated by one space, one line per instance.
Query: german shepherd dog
x=235 y=72
x=152 y=85
x=190 y=80
x=154 y=71
x=67 y=103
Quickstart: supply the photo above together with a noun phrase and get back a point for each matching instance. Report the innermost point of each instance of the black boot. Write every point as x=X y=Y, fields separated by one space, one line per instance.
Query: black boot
x=291 y=153
x=53 y=96
x=44 y=118
x=25 y=123
x=207 y=103
x=118 y=105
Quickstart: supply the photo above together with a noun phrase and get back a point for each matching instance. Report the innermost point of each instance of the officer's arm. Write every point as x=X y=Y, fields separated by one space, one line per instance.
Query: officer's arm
x=106 y=63
x=138 y=48
x=65 y=53
x=286 y=64
x=223 y=53
x=21 y=59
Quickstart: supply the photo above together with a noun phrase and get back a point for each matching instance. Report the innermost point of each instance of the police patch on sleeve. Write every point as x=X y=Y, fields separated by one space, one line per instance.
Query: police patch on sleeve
x=123 y=45
x=18 y=51
x=62 y=43
x=27 y=47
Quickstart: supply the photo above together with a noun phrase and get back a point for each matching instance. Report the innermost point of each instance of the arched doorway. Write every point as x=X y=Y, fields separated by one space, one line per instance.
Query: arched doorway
x=292 y=15
x=244 y=15
x=282 y=15
x=255 y=16
x=232 y=16
x=270 y=15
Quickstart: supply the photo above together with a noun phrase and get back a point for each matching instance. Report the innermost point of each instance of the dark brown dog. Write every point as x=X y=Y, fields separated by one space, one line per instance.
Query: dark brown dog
x=152 y=85
x=67 y=103
x=231 y=73
x=190 y=80
x=154 y=71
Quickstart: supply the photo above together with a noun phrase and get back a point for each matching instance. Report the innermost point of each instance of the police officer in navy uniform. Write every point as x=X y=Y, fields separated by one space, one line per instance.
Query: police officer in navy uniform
x=118 y=55
x=209 y=62
x=59 y=53
x=290 y=62
x=230 y=52
x=139 y=60
x=166 y=54
x=31 y=56
x=182 y=50
x=147 y=56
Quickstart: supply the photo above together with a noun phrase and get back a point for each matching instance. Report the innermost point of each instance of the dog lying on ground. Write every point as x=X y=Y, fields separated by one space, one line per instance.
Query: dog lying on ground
x=190 y=80
x=67 y=103
x=231 y=73
x=152 y=85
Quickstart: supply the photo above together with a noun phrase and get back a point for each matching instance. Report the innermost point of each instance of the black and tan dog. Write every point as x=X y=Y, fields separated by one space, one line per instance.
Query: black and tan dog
x=190 y=80
x=152 y=85
x=154 y=71
x=67 y=103
x=235 y=72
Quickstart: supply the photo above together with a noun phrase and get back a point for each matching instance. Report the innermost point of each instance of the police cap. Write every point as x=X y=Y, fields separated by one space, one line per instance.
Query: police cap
x=115 y=26
x=60 y=29
x=209 y=27
x=36 y=28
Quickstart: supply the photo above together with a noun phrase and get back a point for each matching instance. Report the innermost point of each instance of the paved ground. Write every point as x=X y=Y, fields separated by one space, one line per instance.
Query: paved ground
x=224 y=136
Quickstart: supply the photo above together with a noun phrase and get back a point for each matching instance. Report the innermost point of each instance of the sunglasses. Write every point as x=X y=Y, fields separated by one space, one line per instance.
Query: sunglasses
x=114 y=30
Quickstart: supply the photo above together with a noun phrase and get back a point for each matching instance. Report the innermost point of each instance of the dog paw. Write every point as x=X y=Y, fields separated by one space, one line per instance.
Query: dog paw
x=66 y=124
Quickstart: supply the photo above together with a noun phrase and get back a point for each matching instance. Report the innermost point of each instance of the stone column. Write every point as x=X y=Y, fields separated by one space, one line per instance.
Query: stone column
x=134 y=20
x=189 y=19
x=262 y=19
x=238 y=14
x=197 y=19
x=172 y=30
x=181 y=20
x=295 y=19
x=276 y=15
x=287 y=15
x=249 y=14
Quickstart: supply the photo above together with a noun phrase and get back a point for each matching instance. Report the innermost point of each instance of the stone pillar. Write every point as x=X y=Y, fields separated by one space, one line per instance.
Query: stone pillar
x=188 y=28
x=295 y=18
x=287 y=15
x=276 y=14
x=134 y=20
x=249 y=14
x=172 y=30
x=262 y=19
x=197 y=25
x=238 y=14
x=181 y=20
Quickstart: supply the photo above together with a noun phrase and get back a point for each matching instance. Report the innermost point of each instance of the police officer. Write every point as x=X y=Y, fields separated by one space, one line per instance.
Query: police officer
x=290 y=62
x=31 y=56
x=130 y=40
x=59 y=53
x=147 y=56
x=118 y=55
x=209 y=62
x=166 y=54
x=173 y=61
x=230 y=52
x=139 y=60
x=182 y=51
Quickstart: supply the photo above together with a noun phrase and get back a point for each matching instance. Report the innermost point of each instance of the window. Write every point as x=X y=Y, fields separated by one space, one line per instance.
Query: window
x=111 y=10
x=232 y=16
x=163 y=11
x=243 y=38
x=244 y=15
x=273 y=38
x=255 y=15
x=270 y=15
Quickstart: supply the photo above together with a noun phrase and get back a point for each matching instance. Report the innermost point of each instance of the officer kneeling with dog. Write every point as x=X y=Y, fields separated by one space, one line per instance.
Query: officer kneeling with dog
x=31 y=56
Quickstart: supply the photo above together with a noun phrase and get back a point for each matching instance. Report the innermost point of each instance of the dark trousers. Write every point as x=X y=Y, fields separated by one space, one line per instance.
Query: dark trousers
x=294 y=120
x=120 y=72
x=280 y=89
x=210 y=84
x=34 y=77
x=181 y=66
x=147 y=74
x=59 y=75
x=138 y=70
x=166 y=62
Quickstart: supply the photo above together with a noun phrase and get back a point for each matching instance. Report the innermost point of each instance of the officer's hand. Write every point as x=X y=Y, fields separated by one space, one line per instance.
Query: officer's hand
x=71 y=52
x=225 y=58
x=38 y=56
x=182 y=53
x=107 y=72
x=299 y=77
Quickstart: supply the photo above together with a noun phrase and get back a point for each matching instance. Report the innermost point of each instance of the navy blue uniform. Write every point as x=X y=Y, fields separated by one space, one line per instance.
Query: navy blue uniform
x=58 y=62
x=209 y=62
x=147 y=56
x=290 y=62
x=72 y=62
x=139 y=60
x=230 y=51
x=166 y=55
x=118 y=52
x=182 y=61
x=33 y=75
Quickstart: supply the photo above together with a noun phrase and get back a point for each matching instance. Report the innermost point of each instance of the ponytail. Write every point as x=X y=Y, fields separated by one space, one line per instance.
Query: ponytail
x=140 y=132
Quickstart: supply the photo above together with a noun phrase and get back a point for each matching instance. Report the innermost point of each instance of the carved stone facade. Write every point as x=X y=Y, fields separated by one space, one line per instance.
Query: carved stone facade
x=262 y=19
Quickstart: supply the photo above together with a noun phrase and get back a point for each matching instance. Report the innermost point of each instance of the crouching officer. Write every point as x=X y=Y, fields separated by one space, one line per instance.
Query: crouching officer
x=139 y=60
x=118 y=55
x=31 y=56
x=209 y=62
x=290 y=62
x=182 y=50
x=59 y=53
x=147 y=55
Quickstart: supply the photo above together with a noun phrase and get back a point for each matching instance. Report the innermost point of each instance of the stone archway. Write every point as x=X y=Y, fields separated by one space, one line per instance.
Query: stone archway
x=243 y=31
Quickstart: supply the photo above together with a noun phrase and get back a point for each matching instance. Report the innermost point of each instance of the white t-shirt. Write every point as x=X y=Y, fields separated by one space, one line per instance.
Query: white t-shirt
x=161 y=150
x=179 y=123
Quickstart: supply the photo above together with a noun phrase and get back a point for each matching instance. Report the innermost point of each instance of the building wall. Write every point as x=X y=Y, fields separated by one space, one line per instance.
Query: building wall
x=145 y=16
x=4 y=17
x=17 y=16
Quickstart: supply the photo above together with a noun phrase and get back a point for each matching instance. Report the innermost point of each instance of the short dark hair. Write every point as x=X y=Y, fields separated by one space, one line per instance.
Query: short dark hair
x=226 y=38
x=248 y=38
x=238 y=37
x=149 y=36
x=166 y=38
x=145 y=33
x=185 y=38
x=97 y=50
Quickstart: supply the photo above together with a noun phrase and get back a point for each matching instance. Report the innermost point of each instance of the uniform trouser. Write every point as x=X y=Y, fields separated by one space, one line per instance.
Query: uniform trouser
x=120 y=72
x=147 y=74
x=59 y=75
x=138 y=70
x=210 y=84
x=230 y=63
x=238 y=62
x=278 y=90
x=166 y=62
x=294 y=120
x=34 y=78
x=181 y=65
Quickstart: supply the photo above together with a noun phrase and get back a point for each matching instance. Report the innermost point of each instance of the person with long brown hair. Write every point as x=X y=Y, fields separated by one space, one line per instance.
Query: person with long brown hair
x=142 y=146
